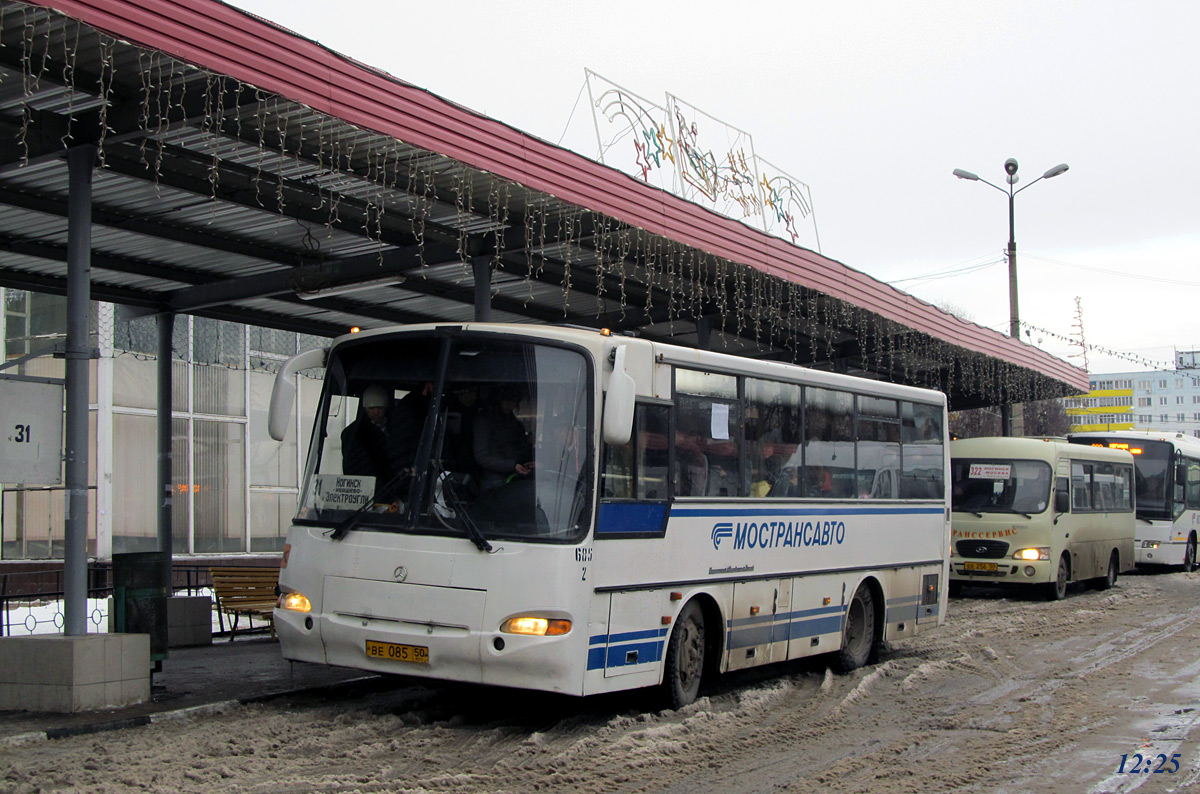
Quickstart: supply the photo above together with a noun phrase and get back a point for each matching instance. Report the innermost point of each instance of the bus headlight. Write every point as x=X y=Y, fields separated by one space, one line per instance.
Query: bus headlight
x=540 y=627
x=1040 y=553
x=1149 y=544
x=297 y=602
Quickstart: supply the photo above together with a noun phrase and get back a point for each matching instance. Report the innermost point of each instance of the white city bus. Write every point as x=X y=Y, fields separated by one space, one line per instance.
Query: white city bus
x=1039 y=512
x=1167 y=468
x=565 y=510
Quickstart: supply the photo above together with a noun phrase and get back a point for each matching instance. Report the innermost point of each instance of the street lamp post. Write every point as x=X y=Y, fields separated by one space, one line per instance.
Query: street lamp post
x=1014 y=316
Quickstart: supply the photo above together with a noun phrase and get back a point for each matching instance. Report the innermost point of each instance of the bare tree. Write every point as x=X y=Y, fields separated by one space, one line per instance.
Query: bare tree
x=1044 y=418
x=975 y=422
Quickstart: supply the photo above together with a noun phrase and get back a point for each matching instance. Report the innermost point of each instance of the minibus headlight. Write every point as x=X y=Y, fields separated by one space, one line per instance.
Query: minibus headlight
x=297 y=602
x=1032 y=554
x=540 y=627
x=1149 y=544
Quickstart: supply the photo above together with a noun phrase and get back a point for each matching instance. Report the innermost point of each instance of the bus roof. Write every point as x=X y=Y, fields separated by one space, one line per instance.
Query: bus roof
x=1181 y=441
x=1031 y=448
x=598 y=340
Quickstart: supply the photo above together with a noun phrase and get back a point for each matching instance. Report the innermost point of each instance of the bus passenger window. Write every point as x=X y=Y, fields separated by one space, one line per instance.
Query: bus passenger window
x=1081 y=486
x=706 y=447
x=772 y=435
x=829 y=445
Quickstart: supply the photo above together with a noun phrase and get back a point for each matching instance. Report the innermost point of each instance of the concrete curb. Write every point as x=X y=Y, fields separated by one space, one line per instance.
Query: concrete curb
x=190 y=712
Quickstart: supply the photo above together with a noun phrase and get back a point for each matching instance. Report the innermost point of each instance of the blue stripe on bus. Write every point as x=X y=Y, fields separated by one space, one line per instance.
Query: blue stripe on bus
x=625 y=636
x=747 y=632
x=611 y=650
x=727 y=512
x=630 y=517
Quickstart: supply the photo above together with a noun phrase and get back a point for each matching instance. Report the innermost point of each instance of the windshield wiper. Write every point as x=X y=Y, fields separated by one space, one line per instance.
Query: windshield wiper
x=999 y=509
x=460 y=511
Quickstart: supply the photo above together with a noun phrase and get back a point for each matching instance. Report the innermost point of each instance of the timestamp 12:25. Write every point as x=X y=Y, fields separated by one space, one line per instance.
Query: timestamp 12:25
x=1137 y=763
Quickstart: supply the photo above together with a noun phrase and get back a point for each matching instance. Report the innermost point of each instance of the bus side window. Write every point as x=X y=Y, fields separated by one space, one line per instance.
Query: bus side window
x=652 y=423
x=1062 y=495
x=638 y=469
x=616 y=473
x=1081 y=480
x=634 y=482
x=1193 y=484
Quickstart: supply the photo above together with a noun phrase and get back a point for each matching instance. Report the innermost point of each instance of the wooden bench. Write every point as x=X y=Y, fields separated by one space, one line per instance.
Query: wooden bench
x=241 y=590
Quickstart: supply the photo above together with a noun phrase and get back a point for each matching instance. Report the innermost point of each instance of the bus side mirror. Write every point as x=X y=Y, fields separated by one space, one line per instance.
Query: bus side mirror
x=1062 y=501
x=619 y=402
x=283 y=393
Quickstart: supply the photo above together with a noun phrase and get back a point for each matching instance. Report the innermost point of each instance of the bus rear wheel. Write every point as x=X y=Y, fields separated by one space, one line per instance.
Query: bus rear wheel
x=858 y=640
x=685 y=657
x=1057 y=590
x=1108 y=580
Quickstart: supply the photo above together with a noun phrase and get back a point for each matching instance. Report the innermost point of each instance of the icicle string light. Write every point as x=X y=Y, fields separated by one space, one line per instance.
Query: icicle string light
x=301 y=164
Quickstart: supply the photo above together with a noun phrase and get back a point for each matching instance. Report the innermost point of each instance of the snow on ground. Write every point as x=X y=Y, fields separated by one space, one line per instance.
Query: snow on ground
x=1011 y=695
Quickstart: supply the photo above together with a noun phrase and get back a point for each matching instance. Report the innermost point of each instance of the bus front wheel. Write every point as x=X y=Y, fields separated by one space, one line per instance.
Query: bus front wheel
x=685 y=657
x=1057 y=590
x=1189 y=555
x=859 y=638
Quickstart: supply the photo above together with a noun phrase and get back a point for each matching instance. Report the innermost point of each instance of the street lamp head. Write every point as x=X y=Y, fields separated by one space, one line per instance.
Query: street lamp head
x=961 y=174
x=1010 y=166
x=1061 y=168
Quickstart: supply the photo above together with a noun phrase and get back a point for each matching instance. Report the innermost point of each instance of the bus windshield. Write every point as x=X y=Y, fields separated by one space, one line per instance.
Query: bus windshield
x=466 y=434
x=1000 y=486
x=1152 y=470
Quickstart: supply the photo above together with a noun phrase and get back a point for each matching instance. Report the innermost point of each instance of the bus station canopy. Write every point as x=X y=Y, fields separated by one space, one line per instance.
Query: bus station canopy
x=248 y=174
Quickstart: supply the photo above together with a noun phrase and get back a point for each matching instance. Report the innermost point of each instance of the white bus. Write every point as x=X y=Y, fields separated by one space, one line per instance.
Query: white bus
x=1167 y=468
x=1039 y=512
x=566 y=510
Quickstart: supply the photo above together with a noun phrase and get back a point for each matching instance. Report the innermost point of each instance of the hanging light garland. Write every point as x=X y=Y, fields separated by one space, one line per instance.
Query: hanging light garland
x=371 y=178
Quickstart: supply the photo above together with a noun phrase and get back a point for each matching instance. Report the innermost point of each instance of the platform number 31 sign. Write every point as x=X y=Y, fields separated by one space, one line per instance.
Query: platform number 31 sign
x=31 y=421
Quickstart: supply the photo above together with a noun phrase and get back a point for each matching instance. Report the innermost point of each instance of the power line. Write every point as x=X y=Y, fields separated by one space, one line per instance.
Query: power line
x=953 y=271
x=1138 y=276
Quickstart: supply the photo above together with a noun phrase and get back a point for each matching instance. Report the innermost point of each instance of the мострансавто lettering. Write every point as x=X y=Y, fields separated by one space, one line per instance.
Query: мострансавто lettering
x=785 y=534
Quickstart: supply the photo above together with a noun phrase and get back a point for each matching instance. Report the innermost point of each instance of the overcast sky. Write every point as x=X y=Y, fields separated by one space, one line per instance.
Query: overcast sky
x=873 y=105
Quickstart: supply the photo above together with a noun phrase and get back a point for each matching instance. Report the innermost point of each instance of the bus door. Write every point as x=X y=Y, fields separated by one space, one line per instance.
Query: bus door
x=758 y=624
x=1080 y=539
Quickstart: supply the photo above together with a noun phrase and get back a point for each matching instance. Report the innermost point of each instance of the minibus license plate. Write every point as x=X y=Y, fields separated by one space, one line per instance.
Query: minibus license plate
x=979 y=566
x=417 y=654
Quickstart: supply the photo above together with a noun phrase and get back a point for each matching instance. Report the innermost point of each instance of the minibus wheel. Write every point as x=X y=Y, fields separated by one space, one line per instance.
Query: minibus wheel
x=1057 y=590
x=859 y=637
x=685 y=657
x=1110 y=579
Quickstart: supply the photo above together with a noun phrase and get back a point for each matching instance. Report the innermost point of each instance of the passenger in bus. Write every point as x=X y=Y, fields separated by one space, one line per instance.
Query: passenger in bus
x=365 y=441
x=382 y=441
x=820 y=482
x=502 y=447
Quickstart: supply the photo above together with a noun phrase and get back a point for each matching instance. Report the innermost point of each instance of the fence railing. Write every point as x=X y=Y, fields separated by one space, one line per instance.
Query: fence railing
x=39 y=595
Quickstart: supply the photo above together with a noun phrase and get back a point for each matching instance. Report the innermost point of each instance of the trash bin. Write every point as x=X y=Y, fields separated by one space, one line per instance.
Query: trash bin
x=140 y=589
